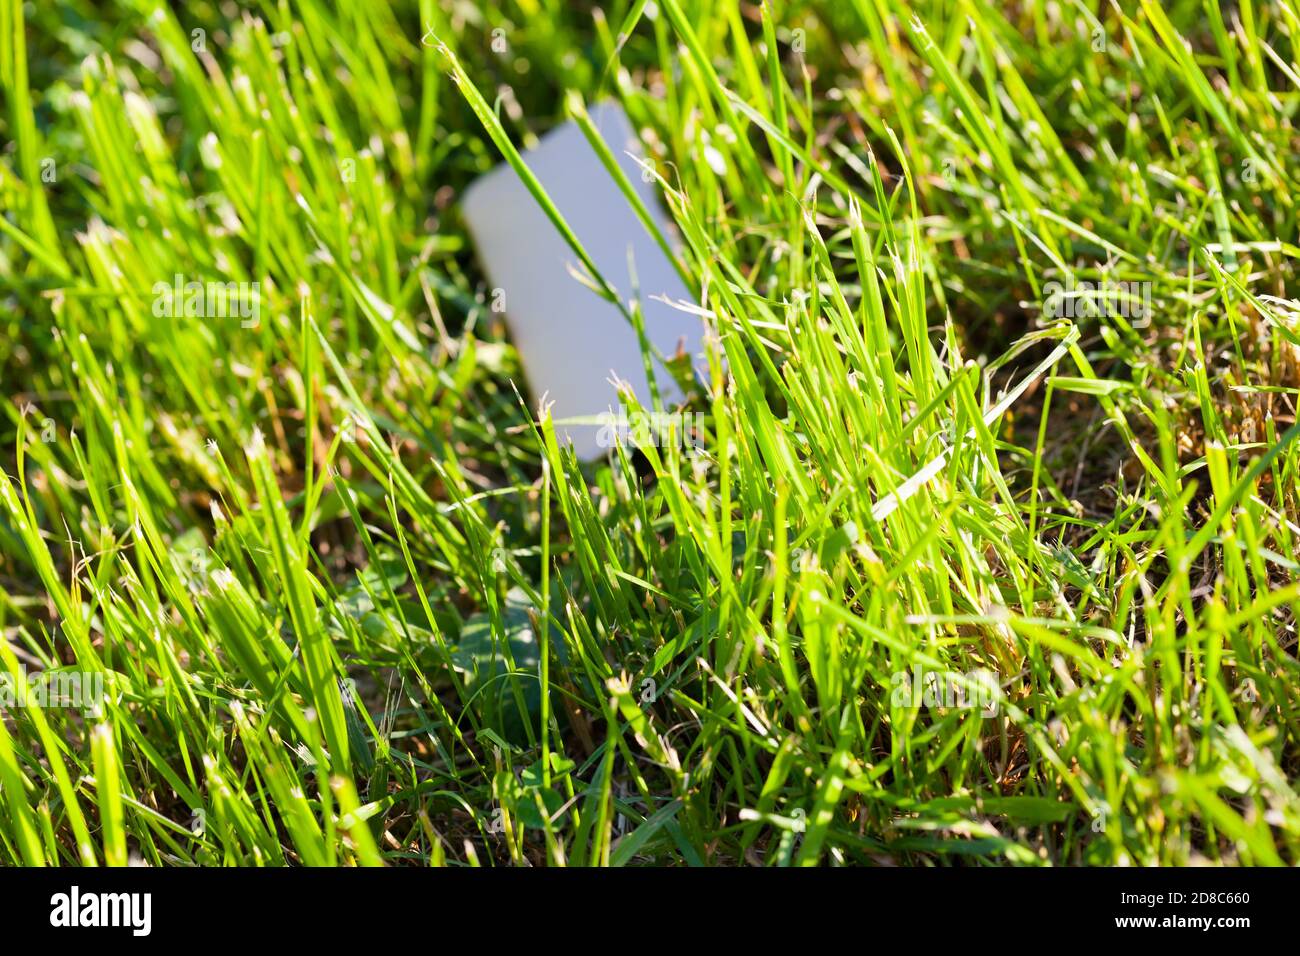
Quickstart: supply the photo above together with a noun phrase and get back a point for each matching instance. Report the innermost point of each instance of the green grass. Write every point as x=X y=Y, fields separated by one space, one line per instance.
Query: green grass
x=351 y=601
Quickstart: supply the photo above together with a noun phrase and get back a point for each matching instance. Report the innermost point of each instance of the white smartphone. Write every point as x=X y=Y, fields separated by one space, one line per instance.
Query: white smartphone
x=573 y=343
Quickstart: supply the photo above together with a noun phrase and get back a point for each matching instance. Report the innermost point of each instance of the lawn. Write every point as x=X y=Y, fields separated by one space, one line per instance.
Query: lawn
x=981 y=548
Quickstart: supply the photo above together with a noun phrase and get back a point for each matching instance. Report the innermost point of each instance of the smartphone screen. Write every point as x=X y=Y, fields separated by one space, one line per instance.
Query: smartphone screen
x=572 y=343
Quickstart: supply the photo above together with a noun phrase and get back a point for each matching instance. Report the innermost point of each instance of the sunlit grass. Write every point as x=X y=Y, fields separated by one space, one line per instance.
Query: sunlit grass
x=351 y=600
